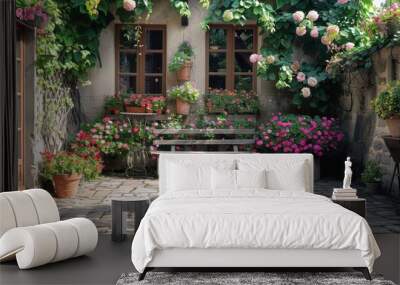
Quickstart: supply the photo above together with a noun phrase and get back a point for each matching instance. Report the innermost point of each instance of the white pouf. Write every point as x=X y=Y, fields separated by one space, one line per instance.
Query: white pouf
x=31 y=232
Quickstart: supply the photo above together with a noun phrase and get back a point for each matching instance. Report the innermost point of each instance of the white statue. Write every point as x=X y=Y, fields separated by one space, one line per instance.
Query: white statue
x=348 y=173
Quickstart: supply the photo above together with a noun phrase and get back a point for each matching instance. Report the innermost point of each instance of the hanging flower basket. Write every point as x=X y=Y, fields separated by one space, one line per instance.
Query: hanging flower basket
x=182 y=107
x=184 y=73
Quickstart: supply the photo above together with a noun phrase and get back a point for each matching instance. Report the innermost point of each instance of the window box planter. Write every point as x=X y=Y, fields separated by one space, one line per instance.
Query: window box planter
x=135 y=109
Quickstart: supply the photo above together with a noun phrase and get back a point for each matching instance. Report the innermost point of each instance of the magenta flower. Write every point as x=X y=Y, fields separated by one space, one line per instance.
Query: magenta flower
x=19 y=13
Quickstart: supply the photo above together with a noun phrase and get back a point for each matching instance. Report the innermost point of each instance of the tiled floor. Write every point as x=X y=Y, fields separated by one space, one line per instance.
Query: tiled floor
x=93 y=200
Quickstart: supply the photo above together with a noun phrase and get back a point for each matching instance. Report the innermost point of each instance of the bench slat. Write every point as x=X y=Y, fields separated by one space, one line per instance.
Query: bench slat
x=205 y=142
x=204 y=131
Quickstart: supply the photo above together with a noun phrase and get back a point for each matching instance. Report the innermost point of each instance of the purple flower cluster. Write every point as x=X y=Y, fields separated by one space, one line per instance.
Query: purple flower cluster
x=298 y=134
x=33 y=13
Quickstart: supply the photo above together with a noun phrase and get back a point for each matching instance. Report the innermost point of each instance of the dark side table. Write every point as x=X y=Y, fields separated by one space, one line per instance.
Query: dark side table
x=119 y=209
x=357 y=205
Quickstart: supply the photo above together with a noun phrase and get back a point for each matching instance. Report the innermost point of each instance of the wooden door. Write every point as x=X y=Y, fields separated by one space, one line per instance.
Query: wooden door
x=20 y=81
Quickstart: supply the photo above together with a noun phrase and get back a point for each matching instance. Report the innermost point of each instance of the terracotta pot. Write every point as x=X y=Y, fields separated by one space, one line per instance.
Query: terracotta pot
x=66 y=185
x=183 y=74
x=394 y=126
x=134 y=109
x=182 y=107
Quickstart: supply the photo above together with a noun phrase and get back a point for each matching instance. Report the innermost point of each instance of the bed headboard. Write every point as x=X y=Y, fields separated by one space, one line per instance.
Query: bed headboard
x=212 y=158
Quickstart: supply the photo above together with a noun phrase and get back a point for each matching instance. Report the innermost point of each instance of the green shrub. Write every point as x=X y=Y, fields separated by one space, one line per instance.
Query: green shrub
x=185 y=92
x=372 y=172
x=387 y=103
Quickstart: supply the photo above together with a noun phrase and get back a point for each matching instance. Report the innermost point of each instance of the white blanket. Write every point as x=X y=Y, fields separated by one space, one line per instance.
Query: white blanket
x=250 y=219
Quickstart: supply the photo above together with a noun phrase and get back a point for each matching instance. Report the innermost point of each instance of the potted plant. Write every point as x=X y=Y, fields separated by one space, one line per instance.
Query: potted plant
x=112 y=105
x=185 y=95
x=372 y=176
x=387 y=107
x=66 y=170
x=135 y=103
x=181 y=62
x=157 y=104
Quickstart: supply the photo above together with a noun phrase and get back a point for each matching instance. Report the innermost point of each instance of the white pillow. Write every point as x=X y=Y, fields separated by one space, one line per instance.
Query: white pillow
x=183 y=177
x=281 y=174
x=223 y=179
x=288 y=177
x=251 y=179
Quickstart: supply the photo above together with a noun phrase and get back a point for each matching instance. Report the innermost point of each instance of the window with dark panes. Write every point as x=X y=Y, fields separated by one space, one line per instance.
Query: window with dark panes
x=141 y=63
x=228 y=51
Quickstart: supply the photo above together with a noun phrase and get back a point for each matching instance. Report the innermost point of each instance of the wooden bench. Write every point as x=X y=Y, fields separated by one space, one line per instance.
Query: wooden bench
x=233 y=142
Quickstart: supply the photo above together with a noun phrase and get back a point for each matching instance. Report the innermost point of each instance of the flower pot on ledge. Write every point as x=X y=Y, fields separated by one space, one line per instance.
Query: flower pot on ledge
x=66 y=186
x=393 y=125
x=182 y=107
x=135 y=109
x=184 y=73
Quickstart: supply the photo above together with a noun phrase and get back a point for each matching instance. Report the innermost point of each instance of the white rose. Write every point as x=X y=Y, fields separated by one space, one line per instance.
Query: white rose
x=306 y=92
x=312 y=81
x=312 y=15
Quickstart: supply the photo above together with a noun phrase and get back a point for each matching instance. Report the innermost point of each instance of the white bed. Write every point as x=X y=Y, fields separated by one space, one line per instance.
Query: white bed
x=218 y=224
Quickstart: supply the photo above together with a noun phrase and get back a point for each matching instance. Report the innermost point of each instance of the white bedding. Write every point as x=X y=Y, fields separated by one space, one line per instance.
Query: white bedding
x=252 y=218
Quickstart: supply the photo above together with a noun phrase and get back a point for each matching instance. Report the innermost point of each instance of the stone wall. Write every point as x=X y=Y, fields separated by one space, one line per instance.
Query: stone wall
x=364 y=129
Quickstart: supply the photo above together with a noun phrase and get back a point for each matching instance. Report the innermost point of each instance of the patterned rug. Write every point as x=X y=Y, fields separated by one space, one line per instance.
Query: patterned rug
x=243 y=278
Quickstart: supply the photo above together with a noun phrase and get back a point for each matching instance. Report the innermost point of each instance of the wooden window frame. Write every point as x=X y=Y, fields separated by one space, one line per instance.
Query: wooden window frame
x=141 y=52
x=230 y=55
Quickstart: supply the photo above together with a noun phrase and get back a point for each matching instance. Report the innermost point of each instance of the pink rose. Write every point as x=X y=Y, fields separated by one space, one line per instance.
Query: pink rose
x=349 y=45
x=312 y=81
x=341 y=2
x=332 y=30
x=325 y=40
x=301 y=77
x=312 y=15
x=306 y=92
x=314 y=32
x=395 y=6
x=298 y=16
x=254 y=58
x=301 y=31
x=259 y=142
x=129 y=5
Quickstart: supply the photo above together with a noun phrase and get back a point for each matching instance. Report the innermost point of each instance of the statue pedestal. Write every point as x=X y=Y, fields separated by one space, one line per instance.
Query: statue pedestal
x=344 y=194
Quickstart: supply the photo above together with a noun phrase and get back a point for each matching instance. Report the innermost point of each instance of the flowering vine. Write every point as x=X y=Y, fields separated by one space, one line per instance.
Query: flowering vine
x=307 y=34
